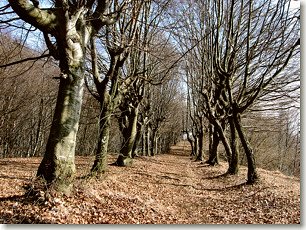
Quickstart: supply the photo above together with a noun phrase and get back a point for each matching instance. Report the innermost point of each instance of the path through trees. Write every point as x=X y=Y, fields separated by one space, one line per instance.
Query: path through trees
x=167 y=188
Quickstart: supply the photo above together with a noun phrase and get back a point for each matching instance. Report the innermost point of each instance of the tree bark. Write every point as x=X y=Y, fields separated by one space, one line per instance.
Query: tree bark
x=144 y=143
x=223 y=138
x=125 y=157
x=100 y=163
x=148 y=141
x=152 y=142
x=137 y=140
x=190 y=139
x=196 y=146
x=252 y=172
x=58 y=165
x=210 y=137
x=213 y=150
x=233 y=161
x=200 y=156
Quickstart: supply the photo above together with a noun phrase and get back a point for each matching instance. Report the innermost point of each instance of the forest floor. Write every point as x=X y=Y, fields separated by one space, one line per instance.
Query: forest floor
x=164 y=189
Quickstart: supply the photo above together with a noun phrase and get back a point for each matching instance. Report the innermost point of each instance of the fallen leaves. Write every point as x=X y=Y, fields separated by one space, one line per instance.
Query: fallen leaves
x=164 y=189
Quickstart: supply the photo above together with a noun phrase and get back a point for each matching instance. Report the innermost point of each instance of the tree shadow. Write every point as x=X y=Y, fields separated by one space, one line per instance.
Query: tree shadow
x=12 y=198
x=223 y=175
x=179 y=153
x=11 y=218
x=15 y=178
x=91 y=175
x=158 y=177
x=19 y=164
x=230 y=188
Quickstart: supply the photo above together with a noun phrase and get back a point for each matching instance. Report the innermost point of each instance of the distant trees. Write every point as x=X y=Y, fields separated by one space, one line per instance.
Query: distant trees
x=111 y=83
x=26 y=102
x=121 y=79
x=275 y=139
x=163 y=125
x=238 y=51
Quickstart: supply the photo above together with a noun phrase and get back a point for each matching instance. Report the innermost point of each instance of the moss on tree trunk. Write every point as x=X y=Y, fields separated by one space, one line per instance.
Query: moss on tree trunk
x=57 y=166
x=100 y=163
x=129 y=134
x=137 y=140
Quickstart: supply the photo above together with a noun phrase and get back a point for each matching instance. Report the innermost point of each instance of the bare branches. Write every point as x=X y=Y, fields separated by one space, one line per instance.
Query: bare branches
x=25 y=60
x=102 y=17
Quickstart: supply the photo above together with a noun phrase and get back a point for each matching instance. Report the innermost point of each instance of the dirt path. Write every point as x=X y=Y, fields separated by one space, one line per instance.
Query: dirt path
x=167 y=188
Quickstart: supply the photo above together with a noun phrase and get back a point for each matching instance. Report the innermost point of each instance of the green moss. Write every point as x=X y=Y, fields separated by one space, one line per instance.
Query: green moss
x=124 y=161
x=64 y=176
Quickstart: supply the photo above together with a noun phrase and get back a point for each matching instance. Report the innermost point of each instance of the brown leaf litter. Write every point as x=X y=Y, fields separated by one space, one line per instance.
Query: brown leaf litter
x=164 y=189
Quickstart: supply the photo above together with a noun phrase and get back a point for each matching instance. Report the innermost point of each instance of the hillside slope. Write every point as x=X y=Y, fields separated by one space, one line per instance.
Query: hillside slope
x=165 y=189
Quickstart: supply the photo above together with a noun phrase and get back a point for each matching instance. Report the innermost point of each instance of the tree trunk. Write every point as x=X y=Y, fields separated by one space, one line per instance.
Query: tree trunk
x=191 y=141
x=125 y=157
x=223 y=138
x=200 y=156
x=210 y=137
x=233 y=161
x=144 y=143
x=213 y=150
x=137 y=140
x=252 y=172
x=100 y=163
x=153 y=142
x=196 y=146
x=148 y=142
x=58 y=165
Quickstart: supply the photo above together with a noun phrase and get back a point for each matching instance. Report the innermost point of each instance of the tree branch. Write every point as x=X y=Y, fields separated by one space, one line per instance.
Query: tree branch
x=44 y=20
x=24 y=60
x=100 y=18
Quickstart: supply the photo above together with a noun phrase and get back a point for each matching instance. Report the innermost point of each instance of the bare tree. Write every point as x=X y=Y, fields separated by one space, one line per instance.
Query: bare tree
x=238 y=52
x=23 y=133
x=67 y=27
x=109 y=78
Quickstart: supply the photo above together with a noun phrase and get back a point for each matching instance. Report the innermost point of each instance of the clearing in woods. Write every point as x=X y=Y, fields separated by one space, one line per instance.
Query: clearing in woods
x=164 y=189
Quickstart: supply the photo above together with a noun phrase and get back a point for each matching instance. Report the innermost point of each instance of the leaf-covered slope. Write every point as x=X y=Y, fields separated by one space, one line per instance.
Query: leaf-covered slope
x=163 y=189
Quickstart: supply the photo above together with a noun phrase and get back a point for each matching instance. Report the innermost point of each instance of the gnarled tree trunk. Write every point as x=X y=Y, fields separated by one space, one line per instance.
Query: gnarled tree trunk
x=57 y=166
x=129 y=135
x=200 y=156
x=71 y=23
x=252 y=172
x=139 y=132
x=213 y=150
x=233 y=161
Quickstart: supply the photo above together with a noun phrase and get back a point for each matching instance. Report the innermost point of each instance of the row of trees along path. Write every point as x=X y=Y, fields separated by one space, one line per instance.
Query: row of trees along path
x=221 y=88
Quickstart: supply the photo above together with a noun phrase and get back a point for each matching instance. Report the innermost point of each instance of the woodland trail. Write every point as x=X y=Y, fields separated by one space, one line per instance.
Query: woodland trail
x=164 y=189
